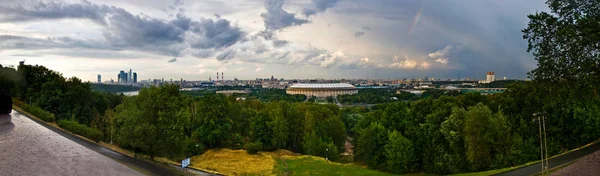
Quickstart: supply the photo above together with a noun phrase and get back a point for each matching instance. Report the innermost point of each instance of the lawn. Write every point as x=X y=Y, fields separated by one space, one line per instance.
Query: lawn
x=307 y=165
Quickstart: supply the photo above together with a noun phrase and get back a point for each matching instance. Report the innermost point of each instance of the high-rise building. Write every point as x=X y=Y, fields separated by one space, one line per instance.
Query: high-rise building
x=129 y=77
x=99 y=78
x=123 y=77
x=134 y=77
x=490 y=77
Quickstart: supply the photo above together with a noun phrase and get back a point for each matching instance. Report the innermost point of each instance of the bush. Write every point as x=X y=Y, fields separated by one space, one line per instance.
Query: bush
x=35 y=111
x=74 y=127
x=253 y=147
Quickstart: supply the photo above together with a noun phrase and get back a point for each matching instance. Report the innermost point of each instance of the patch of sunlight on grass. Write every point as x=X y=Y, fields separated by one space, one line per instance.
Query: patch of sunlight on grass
x=238 y=162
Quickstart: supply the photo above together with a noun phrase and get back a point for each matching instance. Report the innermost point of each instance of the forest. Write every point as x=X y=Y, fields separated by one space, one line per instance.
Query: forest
x=437 y=134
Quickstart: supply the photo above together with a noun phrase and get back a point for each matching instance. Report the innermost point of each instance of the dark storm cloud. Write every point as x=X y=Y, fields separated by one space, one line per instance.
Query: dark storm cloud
x=280 y=43
x=125 y=30
x=276 y=18
x=318 y=6
x=226 y=55
x=172 y=60
x=489 y=30
x=359 y=33
x=21 y=42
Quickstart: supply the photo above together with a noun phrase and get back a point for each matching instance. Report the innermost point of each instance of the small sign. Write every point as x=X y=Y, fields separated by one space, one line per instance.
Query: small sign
x=185 y=162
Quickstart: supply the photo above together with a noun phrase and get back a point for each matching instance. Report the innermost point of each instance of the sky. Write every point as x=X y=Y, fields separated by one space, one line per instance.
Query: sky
x=248 y=39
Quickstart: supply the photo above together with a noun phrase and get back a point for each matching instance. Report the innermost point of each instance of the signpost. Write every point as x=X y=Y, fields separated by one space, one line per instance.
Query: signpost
x=185 y=162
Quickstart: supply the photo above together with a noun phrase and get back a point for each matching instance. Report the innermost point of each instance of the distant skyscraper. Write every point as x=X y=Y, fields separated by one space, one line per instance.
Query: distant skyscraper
x=99 y=78
x=134 y=77
x=123 y=77
x=129 y=77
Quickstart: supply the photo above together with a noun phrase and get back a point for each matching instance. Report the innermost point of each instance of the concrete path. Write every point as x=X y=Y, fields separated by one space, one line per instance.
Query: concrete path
x=27 y=148
x=554 y=162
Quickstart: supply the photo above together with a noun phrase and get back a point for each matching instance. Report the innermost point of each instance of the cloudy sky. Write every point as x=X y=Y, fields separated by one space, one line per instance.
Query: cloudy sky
x=259 y=38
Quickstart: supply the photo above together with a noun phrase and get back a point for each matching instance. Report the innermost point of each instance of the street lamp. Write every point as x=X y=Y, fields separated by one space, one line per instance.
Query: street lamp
x=541 y=116
x=326 y=154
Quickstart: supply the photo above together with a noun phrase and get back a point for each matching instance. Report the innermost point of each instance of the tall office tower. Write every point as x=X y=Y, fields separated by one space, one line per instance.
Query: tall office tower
x=129 y=76
x=134 y=77
x=122 y=77
x=99 y=78
x=119 y=77
x=222 y=76
x=217 y=76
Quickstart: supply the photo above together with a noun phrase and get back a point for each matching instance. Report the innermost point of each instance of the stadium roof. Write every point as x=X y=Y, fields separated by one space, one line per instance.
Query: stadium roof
x=332 y=86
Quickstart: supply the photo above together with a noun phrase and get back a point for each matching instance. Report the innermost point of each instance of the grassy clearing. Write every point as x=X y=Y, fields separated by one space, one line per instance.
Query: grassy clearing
x=309 y=165
x=237 y=162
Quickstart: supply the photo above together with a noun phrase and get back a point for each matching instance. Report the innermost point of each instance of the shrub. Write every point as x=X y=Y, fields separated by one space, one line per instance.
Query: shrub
x=253 y=147
x=74 y=127
x=35 y=111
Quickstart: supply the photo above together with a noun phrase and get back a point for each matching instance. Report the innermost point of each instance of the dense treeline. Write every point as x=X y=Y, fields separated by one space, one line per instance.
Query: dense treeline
x=160 y=121
x=499 y=84
x=113 y=88
x=265 y=95
x=376 y=96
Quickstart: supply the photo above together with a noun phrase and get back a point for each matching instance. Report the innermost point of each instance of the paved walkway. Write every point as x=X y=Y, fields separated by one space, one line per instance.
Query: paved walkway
x=27 y=148
x=554 y=162
x=586 y=166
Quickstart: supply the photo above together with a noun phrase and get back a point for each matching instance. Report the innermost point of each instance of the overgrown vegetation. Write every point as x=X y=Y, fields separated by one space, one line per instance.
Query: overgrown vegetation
x=82 y=130
x=36 y=111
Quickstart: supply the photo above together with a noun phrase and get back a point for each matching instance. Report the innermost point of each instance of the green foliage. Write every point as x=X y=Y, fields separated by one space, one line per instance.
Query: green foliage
x=317 y=146
x=400 y=153
x=369 y=146
x=35 y=111
x=152 y=121
x=375 y=96
x=565 y=42
x=486 y=134
x=113 y=88
x=212 y=116
x=74 y=127
x=253 y=147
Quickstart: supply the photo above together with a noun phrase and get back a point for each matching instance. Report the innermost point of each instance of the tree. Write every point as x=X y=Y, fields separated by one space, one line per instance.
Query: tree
x=565 y=42
x=369 y=146
x=486 y=135
x=152 y=121
x=215 y=125
x=400 y=153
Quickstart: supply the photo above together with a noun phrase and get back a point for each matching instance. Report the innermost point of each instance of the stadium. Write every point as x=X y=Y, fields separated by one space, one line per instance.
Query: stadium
x=322 y=90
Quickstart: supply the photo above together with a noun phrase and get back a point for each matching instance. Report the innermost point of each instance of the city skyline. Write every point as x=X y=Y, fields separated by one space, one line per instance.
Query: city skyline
x=293 y=39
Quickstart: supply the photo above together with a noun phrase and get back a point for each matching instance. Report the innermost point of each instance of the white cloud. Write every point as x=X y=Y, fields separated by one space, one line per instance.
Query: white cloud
x=258 y=69
x=441 y=56
x=442 y=60
x=405 y=64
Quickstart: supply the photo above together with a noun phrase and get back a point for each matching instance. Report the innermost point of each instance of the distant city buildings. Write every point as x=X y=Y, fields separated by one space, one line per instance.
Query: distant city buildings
x=127 y=77
x=99 y=79
x=490 y=77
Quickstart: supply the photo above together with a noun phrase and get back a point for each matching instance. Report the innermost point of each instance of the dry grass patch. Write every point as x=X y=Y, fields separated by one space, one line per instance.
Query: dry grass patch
x=237 y=162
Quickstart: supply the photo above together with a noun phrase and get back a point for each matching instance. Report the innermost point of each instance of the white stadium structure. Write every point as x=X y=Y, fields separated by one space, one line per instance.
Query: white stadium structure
x=322 y=90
